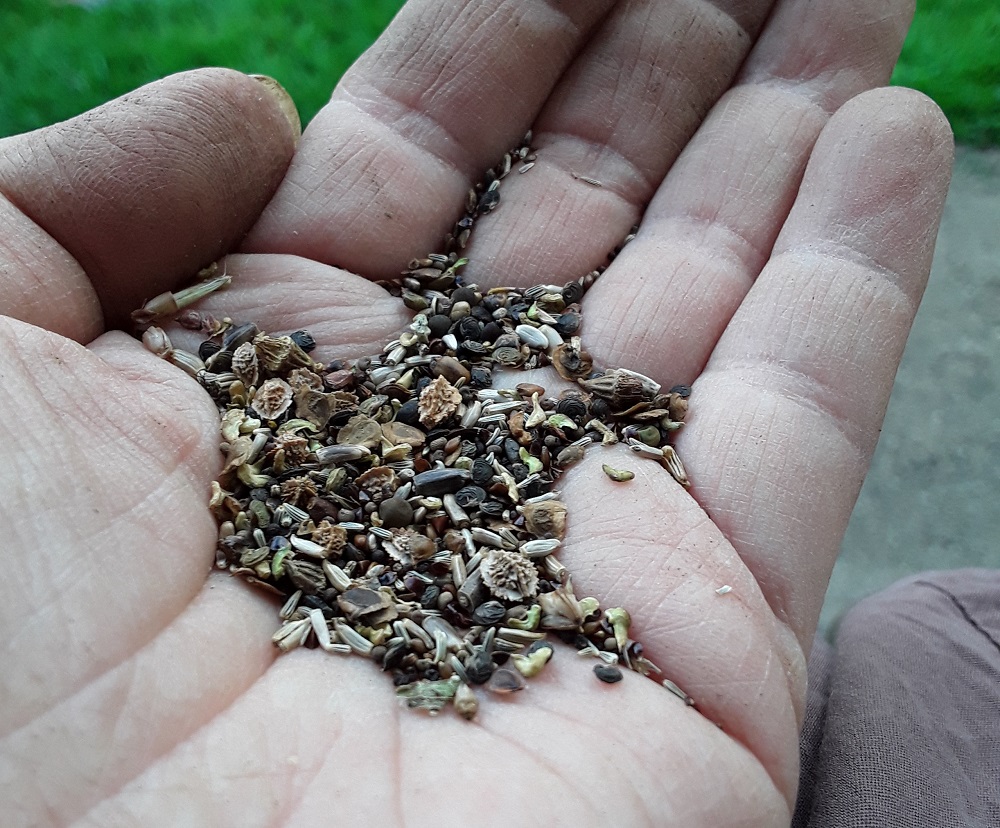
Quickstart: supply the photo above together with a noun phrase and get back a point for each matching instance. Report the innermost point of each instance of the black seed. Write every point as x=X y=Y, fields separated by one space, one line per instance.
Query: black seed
x=235 y=337
x=222 y=361
x=409 y=413
x=474 y=349
x=315 y=602
x=573 y=407
x=393 y=654
x=491 y=330
x=429 y=597
x=481 y=378
x=481 y=314
x=437 y=482
x=608 y=673
x=492 y=507
x=482 y=471
x=207 y=348
x=464 y=294
x=479 y=667
x=304 y=340
x=568 y=324
x=681 y=390
x=489 y=613
x=572 y=293
x=439 y=325
x=511 y=450
x=468 y=329
x=469 y=497
x=533 y=489
x=600 y=409
x=488 y=202
x=401 y=679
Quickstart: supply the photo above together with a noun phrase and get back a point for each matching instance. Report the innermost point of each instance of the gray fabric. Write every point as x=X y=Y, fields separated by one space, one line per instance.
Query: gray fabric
x=903 y=717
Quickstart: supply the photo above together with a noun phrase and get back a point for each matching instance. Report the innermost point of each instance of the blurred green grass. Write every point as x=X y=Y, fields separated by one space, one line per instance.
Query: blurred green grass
x=58 y=59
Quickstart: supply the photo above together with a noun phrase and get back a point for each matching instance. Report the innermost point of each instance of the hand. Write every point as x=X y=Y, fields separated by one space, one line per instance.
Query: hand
x=788 y=220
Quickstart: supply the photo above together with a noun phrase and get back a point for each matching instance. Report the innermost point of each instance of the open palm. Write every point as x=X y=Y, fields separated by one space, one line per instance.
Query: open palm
x=780 y=259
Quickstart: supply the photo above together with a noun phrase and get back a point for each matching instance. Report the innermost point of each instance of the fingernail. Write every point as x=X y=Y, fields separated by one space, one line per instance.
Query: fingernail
x=284 y=101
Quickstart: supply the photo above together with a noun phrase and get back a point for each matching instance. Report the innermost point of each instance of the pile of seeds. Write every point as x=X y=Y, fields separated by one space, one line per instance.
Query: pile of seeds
x=402 y=507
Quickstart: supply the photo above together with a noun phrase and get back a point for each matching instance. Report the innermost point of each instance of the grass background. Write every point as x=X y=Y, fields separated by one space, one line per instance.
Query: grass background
x=58 y=59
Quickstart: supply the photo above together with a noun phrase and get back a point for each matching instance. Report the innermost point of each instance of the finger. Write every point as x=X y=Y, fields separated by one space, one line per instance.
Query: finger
x=41 y=283
x=106 y=461
x=612 y=128
x=708 y=231
x=648 y=546
x=789 y=408
x=385 y=166
x=347 y=315
x=140 y=193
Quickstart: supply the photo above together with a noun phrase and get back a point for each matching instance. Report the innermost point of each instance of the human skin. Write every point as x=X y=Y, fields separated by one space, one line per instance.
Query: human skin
x=788 y=214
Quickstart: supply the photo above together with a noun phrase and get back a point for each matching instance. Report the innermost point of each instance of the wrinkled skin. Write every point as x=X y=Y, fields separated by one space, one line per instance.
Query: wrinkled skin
x=788 y=221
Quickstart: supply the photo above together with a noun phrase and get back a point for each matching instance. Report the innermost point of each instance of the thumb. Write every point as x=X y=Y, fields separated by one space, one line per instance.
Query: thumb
x=141 y=192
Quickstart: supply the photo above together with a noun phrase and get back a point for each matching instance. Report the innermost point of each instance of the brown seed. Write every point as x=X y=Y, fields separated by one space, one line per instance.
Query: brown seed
x=546 y=519
x=571 y=360
x=451 y=369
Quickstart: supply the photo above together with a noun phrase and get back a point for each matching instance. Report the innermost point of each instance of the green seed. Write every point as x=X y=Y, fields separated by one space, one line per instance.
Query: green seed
x=618 y=475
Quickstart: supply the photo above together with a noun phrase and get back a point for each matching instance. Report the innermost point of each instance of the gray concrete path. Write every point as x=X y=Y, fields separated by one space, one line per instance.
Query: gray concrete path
x=932 y=499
